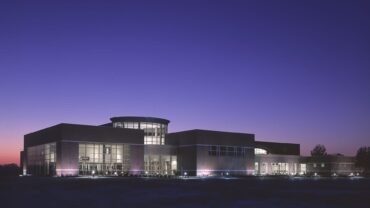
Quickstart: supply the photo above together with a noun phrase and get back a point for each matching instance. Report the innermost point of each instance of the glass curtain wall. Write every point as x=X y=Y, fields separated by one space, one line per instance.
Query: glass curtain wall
x=259 y=151
x=103 y=159
x=42 y=159
x=154 y=133
x=284 y=168
x=160 y=164
x=303 y=168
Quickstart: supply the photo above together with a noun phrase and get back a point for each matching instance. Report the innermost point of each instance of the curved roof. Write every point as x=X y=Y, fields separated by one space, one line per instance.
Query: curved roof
x=139 y=119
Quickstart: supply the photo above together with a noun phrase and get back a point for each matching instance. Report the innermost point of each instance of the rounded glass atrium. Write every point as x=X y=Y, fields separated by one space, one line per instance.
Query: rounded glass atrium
x=155 y=129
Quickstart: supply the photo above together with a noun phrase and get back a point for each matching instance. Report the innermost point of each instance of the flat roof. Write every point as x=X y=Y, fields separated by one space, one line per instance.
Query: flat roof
x=139 y=119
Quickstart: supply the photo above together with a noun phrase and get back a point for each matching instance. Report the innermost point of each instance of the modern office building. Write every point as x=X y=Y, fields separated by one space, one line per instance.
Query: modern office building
x=277 y=159
x=143 y=146
x=331 y=165
x=203 y=152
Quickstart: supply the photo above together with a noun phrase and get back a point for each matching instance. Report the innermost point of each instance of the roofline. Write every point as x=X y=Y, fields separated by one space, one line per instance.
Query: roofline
x=71 y=124
x=140 y=119
x=207 y=130
x=256 y=141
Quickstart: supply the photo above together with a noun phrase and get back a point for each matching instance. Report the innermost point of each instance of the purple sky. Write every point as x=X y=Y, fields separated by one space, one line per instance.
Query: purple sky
x=287 y=71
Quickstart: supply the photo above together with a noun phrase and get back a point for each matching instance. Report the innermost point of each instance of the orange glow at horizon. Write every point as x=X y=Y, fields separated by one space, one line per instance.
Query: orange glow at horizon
x=9 y=153
x=9 y=158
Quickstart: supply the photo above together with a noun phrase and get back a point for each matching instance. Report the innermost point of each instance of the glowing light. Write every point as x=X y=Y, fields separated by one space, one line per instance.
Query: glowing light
x=67 y=172
x=204 y=172
x=259 y=151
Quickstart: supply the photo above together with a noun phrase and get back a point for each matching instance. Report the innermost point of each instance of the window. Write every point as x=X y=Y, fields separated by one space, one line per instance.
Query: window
x=240 y=152
x=259 y=151
x=41 y=159
x=303 y=168
x=212 y=150
x=118 y=125
x=230 y=151
x=154 y=133
x=107 y=150
x=256 y=168
x=222 y=151
x=103 y=158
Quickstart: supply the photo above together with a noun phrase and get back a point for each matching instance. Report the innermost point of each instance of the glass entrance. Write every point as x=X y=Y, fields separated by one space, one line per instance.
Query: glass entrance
x=103 y=159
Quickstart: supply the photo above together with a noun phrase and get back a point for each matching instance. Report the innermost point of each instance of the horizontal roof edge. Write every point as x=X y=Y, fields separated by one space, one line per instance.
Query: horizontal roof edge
x=140 y=119
x=206 y=130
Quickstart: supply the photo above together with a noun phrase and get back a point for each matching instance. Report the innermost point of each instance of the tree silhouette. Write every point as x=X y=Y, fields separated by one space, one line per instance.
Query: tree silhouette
x=9 y=170
x=319 y=150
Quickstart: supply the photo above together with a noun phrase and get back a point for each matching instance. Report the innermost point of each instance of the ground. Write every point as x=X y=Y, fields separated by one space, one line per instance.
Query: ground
x=190 y=192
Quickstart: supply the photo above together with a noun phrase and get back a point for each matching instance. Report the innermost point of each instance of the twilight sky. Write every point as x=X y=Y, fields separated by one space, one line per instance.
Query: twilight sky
x=287 y=71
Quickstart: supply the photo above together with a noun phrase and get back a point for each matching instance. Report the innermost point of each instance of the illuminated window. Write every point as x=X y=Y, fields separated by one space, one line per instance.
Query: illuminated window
x=259 y=151
x=154 y=133
x=160 y=164
x=103 y=158
x=42 y=159
x=256 y=168
x=303 y=168
x=118 y=125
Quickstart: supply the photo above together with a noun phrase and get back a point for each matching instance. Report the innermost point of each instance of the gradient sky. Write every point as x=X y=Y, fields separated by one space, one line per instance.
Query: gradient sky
x=287 y=71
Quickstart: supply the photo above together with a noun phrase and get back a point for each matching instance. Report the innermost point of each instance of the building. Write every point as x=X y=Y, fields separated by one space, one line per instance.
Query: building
x=331 y=165
x=143 y=146
x=277 y=159
x=203 y=152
